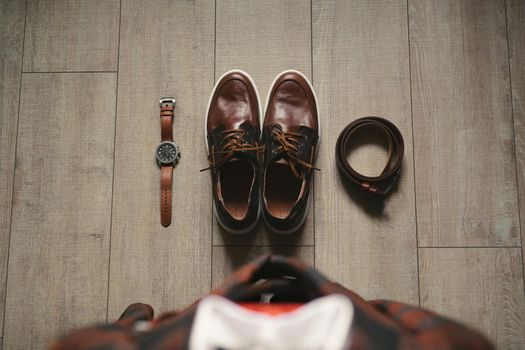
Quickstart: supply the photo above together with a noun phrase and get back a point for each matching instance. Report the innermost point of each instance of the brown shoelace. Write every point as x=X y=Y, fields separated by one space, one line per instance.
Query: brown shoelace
x=235 y=141
x=288 y=144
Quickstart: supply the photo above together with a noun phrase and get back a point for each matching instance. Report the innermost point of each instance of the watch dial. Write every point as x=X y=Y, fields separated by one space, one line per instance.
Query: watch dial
x=167 y=153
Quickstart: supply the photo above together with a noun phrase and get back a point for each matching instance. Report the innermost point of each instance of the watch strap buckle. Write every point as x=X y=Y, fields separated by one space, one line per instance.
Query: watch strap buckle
x=167 y=102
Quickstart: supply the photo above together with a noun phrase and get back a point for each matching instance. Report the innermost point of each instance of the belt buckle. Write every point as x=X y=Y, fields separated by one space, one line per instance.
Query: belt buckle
x=390 y=187
x=167 y=102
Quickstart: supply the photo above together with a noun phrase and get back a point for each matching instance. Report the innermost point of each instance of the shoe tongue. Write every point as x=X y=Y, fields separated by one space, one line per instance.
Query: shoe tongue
x=290 y=164
x=239 y=157
x=282 y=161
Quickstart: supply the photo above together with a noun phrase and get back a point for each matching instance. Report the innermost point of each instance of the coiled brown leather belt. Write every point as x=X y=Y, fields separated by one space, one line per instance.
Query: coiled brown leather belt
x=376 y=185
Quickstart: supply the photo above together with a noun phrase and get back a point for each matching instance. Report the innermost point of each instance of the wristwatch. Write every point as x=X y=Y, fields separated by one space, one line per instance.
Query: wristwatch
x=167 y=154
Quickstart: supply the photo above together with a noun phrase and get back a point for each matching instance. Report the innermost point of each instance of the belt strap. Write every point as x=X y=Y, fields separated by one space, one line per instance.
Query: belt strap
x=376 y=185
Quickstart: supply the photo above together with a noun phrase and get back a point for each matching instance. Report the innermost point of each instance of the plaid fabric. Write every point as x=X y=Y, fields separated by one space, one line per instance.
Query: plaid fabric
x=378 y=324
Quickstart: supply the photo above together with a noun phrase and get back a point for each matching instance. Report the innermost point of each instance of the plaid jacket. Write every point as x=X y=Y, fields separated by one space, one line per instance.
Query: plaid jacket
x=378 y=324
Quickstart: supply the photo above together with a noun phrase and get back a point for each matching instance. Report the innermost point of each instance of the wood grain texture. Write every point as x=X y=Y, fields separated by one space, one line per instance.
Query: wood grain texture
x=166 y=49
x=58 y=260
x=516 y=38
x=80 y=35
x=263 y=38
x=12 y=13
x=465 y=168
x=228 y=259
x=481 y=287
x=361 y=68
x=467 y=152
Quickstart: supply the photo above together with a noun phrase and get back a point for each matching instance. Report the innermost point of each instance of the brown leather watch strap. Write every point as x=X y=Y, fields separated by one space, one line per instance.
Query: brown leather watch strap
x=376 y=185
x=167 y=106
x=166 y=122
x=166 y=174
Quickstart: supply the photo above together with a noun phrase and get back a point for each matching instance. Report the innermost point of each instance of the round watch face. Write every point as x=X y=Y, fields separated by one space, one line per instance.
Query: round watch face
x=167 y=153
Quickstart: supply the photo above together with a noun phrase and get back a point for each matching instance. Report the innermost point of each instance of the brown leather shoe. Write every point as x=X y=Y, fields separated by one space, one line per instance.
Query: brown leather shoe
x=233 y=143
x=291 y=138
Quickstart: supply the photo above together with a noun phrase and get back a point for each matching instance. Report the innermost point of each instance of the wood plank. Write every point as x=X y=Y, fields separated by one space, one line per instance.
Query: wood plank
x=228 y=259
x=516 y=38
x=166 y=49
x=361 y=67
x=263 y=38
x=484 y=291
x=465 y=168
x=58 y=261
x=71 y=36
x=12 y=13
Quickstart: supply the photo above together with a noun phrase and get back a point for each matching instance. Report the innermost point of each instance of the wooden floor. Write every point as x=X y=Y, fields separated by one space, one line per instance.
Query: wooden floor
x=80 y=237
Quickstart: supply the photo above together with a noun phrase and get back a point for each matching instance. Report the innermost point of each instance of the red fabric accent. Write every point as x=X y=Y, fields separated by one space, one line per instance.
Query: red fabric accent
x=271 y=309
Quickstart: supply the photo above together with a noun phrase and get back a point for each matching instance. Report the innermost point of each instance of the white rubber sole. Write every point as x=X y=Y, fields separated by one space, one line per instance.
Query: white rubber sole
x=303 y=218
x=251 y=227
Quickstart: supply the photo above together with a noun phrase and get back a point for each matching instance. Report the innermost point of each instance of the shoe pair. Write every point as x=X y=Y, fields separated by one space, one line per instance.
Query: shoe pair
x=269 y=169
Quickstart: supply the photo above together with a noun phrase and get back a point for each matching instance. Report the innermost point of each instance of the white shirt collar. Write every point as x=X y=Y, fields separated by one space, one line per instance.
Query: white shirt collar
x=322 y=324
